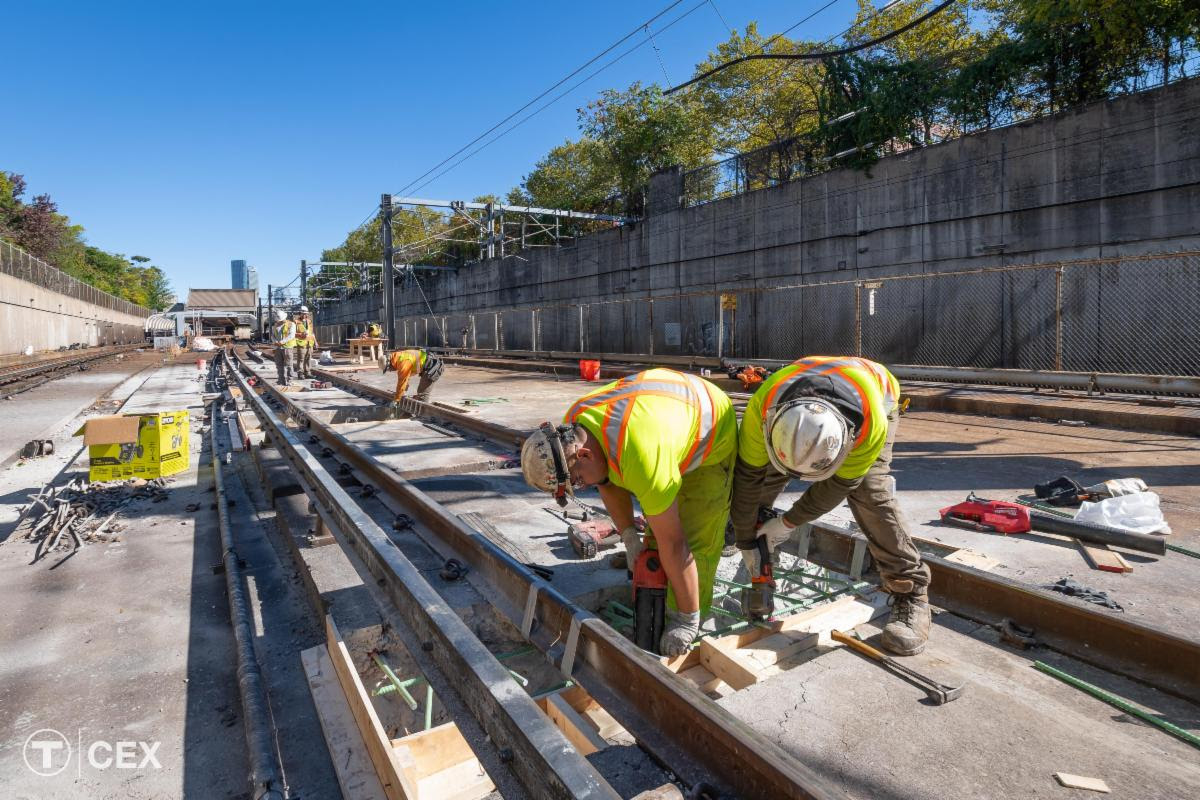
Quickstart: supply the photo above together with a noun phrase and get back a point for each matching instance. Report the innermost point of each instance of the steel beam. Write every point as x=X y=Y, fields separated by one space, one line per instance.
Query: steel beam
x=557 y=212
x=540 y=754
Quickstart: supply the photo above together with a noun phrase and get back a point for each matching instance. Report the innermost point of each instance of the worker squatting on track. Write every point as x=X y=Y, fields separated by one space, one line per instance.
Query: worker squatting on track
x=406 y=363
x=283 y=336
x=670 y=440
x=832 y=421
x=306 y=342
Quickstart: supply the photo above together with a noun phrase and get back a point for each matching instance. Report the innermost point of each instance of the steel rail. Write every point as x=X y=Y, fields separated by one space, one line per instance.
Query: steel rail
x=11 y=374
x=681 y=726
x=538 y=752
x=1102 y=638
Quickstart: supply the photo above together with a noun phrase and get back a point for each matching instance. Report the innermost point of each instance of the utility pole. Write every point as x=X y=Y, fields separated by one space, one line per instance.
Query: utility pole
x=270 y=308
x=303 y=282
x=389 y=313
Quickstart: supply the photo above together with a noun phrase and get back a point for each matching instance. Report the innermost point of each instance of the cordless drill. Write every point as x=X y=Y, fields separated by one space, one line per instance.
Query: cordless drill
x=649 y=600
x=758 y=601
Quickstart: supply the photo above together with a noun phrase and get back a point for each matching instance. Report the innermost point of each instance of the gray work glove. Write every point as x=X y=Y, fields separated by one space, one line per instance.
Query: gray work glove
x=680 y=632
x=633 y=545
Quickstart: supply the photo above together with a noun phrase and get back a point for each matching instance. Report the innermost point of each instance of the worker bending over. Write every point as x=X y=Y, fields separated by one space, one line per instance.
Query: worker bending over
x=407 y=363
x=832 y=421
x=668 y=439
x=306 y=342
x=283 y=336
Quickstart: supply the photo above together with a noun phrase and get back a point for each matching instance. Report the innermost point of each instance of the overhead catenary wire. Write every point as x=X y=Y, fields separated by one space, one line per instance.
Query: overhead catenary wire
x=820 y=55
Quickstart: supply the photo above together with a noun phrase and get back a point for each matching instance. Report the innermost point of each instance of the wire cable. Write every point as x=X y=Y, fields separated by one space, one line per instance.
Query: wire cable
x=818 y=56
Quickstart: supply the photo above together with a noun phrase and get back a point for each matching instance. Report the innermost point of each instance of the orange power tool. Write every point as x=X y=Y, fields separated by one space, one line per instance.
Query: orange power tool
x=649 y=600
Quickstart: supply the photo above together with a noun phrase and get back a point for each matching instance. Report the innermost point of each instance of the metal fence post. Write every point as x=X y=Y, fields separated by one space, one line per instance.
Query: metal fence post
x=651 y=303
x=858 y=319
x=532 y=329
x=581 y=327
x=1058 y=318
x=720 y=326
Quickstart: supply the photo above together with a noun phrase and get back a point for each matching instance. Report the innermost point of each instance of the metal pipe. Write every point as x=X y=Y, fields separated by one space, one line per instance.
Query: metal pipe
x=1098 y=534
x=265 y=780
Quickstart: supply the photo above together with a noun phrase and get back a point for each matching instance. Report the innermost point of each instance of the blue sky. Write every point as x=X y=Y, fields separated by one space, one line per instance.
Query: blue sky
x=197 y=133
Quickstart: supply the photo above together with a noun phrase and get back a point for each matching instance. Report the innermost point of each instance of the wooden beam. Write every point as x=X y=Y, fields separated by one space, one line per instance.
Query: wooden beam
x=442 y=765
x=1102 y=557
x=578 y=732
x=379 y=746
x=355 y=772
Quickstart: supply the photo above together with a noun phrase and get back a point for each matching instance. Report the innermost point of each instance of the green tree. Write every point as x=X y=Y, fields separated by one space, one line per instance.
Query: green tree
x=575 y=174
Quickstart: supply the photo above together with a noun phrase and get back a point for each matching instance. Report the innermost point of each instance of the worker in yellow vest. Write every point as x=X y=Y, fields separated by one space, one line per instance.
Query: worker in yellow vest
x=306 y=342
x=832 y=421
x=669 y=440
x=407 y=363
x=283 y=336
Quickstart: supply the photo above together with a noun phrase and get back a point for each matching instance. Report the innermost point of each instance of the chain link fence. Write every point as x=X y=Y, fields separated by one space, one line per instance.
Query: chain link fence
x=1137 y=314
x=16 y=262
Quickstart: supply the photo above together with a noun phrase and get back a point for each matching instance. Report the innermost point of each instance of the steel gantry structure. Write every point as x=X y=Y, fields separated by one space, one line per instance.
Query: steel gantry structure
x=502 y=230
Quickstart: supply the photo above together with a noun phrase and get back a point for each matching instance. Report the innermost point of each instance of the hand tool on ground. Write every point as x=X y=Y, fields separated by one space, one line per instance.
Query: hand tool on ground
x=649 y=600
x=939 y=693
x=988 y=515
x=1049 y=522
x=758 y=600
x=588 y=536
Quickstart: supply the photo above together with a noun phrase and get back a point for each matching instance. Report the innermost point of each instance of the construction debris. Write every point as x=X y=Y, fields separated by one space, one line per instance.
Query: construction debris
x=1074 y=588
x=82 y=512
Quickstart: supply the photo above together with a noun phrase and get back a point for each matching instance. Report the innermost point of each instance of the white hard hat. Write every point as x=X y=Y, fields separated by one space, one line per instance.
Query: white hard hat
x=303 y=309
x=280 y=315
x=806 y=437
x=544 y=460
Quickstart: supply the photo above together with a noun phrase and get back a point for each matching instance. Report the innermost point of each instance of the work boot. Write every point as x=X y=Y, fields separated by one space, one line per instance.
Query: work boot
x=907 y=629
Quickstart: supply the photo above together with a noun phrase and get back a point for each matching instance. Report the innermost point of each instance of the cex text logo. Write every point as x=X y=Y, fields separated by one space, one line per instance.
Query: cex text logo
x=48 y=752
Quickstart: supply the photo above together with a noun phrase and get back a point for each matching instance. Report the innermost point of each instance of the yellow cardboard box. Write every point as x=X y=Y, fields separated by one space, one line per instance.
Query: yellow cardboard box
x=137 y=445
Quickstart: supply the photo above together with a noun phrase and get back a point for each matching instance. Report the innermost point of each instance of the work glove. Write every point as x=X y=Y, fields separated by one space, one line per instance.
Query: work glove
x=633 y=545
x=777 y=532
x=680 y=632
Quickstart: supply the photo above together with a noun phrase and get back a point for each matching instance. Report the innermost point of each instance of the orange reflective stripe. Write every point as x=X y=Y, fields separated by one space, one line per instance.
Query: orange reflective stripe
x=866 y=405
x=802 y=366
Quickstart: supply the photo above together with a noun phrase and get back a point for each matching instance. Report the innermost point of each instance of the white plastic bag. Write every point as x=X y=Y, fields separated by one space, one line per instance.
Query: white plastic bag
x=1138 y=512
x=326 y=357
x=28 y=351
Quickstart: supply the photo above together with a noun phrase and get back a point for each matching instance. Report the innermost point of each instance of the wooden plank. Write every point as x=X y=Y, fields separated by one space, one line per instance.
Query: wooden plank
x=668 y=791
x=1102 y=557
x=579 y=733
x=1080 y=782
x=355 y=772
x=436 y=749
x=379 y=747
x=770 y=650
x=592 y=712
x=727 y=665
x=701 y=678
x=971 y=558
x=463 y=781
x=442 y=765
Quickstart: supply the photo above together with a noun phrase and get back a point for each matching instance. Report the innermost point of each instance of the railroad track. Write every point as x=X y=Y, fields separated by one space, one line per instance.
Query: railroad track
x=20 y=373
x=680 y=726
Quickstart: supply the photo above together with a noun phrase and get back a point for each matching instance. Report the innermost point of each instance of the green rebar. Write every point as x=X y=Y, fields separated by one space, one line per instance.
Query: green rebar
x=428 y=706
x=1124 y=705
x=1183 y=550
x=521 y=679
x=400 y=687
x=520 y=652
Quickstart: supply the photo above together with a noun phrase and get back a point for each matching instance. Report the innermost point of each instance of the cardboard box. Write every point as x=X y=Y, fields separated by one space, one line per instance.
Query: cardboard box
x=137 y=445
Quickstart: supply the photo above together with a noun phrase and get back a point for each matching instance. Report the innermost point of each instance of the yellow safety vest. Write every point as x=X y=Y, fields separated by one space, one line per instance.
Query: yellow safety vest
x=282 y=329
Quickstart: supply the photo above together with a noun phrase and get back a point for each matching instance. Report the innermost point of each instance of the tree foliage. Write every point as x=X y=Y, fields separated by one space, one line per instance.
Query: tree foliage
x=38 y=228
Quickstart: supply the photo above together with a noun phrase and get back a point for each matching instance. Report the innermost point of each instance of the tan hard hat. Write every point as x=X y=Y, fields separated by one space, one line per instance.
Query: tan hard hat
x=544 y=461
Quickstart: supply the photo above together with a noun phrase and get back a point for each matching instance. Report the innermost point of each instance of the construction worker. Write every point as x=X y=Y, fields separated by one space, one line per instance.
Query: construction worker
x=306 y=342
x=374 y=331
x=832 y=421
x=409 y=362
x=670 y=440
x=283 y=335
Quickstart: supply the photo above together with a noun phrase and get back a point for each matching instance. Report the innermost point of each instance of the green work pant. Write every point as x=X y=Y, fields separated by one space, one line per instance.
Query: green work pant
x=704 y=509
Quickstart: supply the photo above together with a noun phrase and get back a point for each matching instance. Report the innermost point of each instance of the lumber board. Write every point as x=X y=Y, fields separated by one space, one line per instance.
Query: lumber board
x=727 y=665
x=971 y=558
x=578 y=732
x=601 y=721
x=442 y=765
x=700 y=677
x=379 y=746
x=1102 y=557
x=1081 y=782
x=355 y=772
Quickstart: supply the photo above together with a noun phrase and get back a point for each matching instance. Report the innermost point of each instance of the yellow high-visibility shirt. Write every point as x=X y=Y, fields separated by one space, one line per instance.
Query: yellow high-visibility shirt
x=863 y=391
x=655 y=427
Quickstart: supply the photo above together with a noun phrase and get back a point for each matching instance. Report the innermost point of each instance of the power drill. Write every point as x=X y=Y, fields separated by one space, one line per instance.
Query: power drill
x=758 y=601
x=649 y=600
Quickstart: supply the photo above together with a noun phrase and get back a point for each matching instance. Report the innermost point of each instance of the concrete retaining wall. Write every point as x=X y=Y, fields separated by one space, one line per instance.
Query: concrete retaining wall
x=47 y=320
x=1118 y=178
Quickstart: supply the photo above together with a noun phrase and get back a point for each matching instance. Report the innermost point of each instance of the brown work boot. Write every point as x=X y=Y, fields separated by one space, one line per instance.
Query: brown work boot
x=908 y=626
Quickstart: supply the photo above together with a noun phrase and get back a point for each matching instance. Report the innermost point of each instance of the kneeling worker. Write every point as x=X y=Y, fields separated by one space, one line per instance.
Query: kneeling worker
x=832 y=421
x=406 y=363
x=668 y=439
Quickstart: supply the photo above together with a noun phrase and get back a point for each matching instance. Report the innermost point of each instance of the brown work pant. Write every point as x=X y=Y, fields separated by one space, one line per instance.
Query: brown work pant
x=304 y=367
x=285 y=363
x=875 y=510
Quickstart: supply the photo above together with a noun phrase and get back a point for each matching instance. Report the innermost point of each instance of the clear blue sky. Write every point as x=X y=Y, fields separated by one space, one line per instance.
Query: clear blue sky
x=197 y=133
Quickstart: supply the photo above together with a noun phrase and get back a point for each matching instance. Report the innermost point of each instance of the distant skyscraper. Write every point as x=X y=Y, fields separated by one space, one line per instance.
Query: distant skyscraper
x=237 y=271
x=251 y=279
